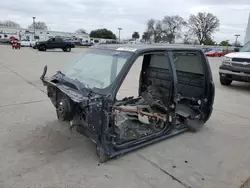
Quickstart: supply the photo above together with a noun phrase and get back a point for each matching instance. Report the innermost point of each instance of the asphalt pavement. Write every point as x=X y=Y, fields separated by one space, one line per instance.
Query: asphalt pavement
x=38 y=151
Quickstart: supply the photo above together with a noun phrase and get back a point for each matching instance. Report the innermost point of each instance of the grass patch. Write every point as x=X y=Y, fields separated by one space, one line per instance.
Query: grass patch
x=81 y=46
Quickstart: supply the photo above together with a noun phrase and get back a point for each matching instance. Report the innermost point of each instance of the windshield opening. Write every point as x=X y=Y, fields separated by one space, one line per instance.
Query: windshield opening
x=97 y=68
x=246 y=48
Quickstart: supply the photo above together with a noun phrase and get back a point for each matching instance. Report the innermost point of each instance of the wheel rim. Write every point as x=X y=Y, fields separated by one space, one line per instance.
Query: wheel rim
x=61 y=110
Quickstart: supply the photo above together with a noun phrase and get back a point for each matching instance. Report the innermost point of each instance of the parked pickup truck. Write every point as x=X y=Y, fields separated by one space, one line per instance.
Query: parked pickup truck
x=236 y=66
x=54 y=43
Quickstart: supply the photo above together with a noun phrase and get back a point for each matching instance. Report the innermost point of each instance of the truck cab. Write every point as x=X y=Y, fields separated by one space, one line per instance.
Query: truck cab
x=175 y=94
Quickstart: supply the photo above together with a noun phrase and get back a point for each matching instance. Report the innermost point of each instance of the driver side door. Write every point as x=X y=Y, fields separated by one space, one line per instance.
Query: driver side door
x=51 y=43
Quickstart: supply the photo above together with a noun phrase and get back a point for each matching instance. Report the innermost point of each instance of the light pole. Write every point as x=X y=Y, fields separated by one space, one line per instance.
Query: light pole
x=185 y=39
x=119 y=34
x=236 y=40
x=34 y=26
x=227 y=45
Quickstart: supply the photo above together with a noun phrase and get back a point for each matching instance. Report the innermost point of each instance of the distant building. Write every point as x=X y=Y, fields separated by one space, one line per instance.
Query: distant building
x=102 y=41
x=247 y=37
x=24 y=33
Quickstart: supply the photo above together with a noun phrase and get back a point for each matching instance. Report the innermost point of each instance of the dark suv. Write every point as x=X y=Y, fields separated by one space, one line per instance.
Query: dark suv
x=54 y=43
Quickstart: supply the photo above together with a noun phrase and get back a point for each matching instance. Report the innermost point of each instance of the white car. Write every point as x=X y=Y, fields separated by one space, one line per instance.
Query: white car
x=32 y=43
x=27 y=43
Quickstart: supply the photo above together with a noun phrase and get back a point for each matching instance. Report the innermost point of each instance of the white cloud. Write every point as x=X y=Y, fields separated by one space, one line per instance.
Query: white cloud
x=131 y=15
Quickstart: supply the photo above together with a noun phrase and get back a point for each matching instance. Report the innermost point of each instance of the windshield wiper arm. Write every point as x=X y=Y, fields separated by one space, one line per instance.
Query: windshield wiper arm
x=44 y=72
x=59 y=72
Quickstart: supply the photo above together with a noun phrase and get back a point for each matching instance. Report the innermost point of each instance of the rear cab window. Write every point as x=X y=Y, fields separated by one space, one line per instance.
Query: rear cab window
x=190 y=73
x=58 y=40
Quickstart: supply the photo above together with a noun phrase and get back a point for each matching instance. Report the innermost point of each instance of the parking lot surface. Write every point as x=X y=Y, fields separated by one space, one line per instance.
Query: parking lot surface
x=38 y=151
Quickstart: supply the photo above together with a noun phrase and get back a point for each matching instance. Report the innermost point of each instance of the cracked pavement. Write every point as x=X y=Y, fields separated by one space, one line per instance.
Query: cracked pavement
x=37 y=151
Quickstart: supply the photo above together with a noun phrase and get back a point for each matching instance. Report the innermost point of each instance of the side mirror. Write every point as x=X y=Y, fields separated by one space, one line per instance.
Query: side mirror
x=236 y=49
x=44 y=73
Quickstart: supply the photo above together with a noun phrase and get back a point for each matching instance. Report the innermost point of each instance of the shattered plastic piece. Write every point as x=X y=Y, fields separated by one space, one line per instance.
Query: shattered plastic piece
x=143 y=119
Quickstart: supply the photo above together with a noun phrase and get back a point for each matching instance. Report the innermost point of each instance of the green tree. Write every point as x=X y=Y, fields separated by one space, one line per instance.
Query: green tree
x=145 y=36
x=186 y=38
x=209 y=42
x=224 y=43
x=203 y=25
x=81 y=30
x=102 y=33
x=168 y=37
x=172 y=26
x=38 y=25
x=9 y=23
x=154 y=29
x=135 y=35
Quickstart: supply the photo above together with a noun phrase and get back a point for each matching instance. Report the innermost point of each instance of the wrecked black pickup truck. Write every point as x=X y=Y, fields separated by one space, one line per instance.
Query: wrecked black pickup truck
x=176 y=94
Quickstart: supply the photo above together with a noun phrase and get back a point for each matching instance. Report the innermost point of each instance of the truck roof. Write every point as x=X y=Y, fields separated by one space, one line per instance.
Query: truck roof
x=142 y=47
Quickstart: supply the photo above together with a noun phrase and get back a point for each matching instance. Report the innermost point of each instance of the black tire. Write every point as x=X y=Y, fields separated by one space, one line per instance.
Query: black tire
x=42 y=48
x=67 y=49
x=194 y=125
x=191 y=129
x=102 y=156
x=225 y=81
x=65 y=109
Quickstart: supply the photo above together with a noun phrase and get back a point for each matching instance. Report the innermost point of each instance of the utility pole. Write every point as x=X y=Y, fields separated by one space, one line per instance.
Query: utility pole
x=34 y=26
x=227 y=45
x=119 y=34
x=185 y=39
x=236 y=40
